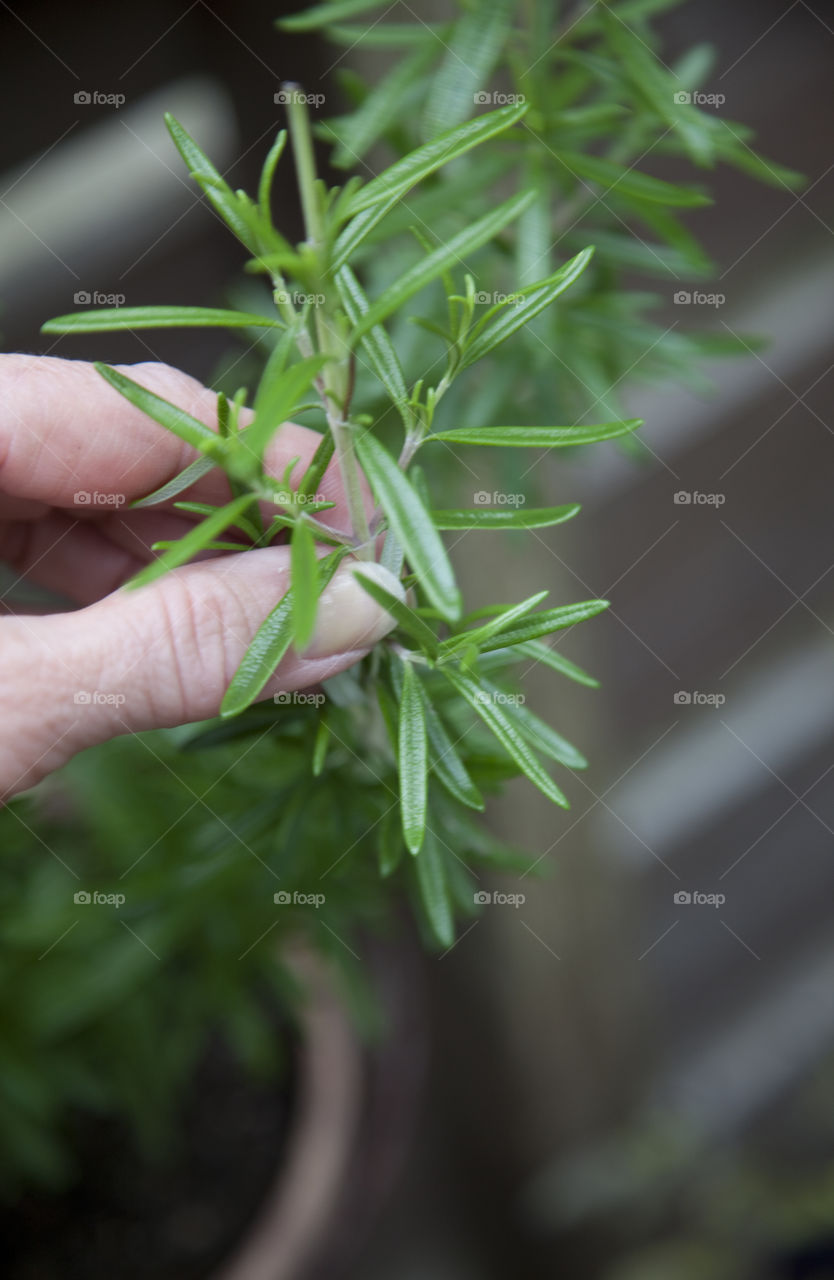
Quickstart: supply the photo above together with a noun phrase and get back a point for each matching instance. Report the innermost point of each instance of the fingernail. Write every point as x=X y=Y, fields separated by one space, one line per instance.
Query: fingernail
x=347 y=616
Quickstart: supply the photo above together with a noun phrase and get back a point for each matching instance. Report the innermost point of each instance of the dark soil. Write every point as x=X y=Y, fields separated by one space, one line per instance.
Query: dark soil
x=176 y=1219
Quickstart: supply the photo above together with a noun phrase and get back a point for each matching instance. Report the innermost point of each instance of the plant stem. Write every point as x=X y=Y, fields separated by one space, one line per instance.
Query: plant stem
x=338 y=370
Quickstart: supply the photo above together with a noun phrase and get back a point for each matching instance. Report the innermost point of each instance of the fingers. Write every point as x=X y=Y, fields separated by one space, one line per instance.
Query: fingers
x=160 y=656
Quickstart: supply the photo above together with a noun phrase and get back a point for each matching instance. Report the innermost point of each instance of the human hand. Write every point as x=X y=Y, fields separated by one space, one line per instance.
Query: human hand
x=164 y=654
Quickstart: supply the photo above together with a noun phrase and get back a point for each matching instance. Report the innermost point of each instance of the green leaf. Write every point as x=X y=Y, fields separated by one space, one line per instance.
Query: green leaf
x=632 y=184
x=168 y=415
x=478 y=636
x=218 y=191
x=320 y=746
x=376 y=344
x=196 y=540
x=405 y=173
x=276 y=403
x=472 y=50
x=268 y=172
x=537 y=732
x=109 y=319
x=503 y=517
x=430 y=874
x=389 y=35
x=451 y=252
x=192 y=473
x=537 y=437
x=407 y=620
x=447 y=764
x=322 y=14
x=304 y=579
x=413 y=761
x=541 y=624
x=541 y=652
x=412 y=525
x=271 y=642
x=513 y=742
x=510 y=316
x=373 y=118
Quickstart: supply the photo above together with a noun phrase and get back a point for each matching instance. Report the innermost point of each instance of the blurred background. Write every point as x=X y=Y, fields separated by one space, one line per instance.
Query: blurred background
x=631 y=1074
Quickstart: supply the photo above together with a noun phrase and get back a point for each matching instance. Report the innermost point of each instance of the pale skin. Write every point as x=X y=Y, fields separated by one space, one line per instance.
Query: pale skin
x=161 y=655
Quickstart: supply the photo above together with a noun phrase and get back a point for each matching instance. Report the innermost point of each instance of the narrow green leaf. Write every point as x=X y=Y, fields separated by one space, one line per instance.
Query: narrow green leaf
x=277 y=403
x=542 y=624
x=405 y=173
x=192 y=473
x=477 y=637
x=504 y=517
x=513 y=742
x=407 y=620
x=196 y=540
x=510 y=316
x=630 y=183
x=320 y=746
x=471 y=53
x=320 y=15
x=356 y=133
x=218 y=191
x=268 y=172
x=537 y=732
x=110 y=319
x=541 y=652
x=389 y=35
x=376 y=344
x=304 y=579
x=168 y=415
x=411 y=524
x=451 y=253
x=430 y=874
x=446 y=762
x=413 y=761
x=271 y=642
x=537 y=437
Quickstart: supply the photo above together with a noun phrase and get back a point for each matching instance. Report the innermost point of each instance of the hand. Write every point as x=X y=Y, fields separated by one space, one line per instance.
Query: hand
x=73 y=454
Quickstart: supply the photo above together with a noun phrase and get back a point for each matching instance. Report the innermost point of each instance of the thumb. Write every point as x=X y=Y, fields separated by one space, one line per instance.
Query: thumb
x=162 y=655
